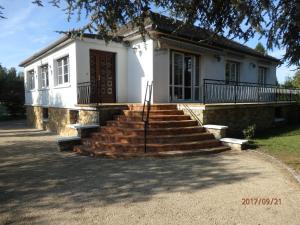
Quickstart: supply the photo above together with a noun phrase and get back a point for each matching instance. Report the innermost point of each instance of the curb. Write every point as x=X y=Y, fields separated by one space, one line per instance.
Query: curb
x=289 y=169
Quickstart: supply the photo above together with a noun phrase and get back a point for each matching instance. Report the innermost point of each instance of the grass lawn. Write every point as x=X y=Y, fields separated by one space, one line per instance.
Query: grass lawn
x=282 y=143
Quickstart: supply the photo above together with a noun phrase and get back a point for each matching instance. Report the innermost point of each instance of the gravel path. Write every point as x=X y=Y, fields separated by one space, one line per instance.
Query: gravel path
x=39 y=185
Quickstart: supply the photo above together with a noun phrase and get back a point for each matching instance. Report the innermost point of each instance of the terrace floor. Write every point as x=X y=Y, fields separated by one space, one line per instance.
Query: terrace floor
x=40 y=185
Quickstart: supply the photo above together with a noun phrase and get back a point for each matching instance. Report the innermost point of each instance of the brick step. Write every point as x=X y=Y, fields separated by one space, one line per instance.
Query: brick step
x=83 y=150
x=133 y=139
x=153 y=118
x=153 y=112
x=154 y=107
x=205 y=151
x=151 y=131
x=155 y=147
x=153 y=124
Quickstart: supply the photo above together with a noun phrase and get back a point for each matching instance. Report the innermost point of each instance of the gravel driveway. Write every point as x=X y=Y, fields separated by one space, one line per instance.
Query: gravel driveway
x=40 y=185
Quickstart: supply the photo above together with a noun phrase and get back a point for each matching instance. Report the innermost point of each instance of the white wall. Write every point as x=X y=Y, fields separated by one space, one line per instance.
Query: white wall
x=210 y=68
x=83 y=63
x=135 y=65
x=161 y=73
x=60 y=96
x=140 y=69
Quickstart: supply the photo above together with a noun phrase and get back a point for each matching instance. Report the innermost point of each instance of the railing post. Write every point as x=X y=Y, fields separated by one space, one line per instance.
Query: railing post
x=258 y=94
x=146 y=119
x=145 y=101
x=235 y=92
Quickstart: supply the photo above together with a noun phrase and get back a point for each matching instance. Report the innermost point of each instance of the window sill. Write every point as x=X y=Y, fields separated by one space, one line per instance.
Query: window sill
x=62 y=86
x=32 y=90
x=43 y=89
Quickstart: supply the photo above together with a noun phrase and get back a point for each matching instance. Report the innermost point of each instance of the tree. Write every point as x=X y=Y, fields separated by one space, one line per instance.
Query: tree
x=277 y=21
x=260 y=48
x=12 y=90
x=288 y=83
x=296 y=79
x=1 y=12
x=292 y=82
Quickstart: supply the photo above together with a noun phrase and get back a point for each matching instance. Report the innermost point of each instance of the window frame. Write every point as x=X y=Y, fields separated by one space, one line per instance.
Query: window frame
x=30 y=80
x=262 y=77
x=237 y=67
x=60 y=78
x=44 y=77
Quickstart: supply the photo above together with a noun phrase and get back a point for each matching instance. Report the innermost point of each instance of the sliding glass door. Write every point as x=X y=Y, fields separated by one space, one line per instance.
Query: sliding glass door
x=184 y=81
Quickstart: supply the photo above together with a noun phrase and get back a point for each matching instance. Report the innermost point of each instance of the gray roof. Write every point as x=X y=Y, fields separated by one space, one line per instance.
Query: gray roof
x=173 y=29
x=61 y=40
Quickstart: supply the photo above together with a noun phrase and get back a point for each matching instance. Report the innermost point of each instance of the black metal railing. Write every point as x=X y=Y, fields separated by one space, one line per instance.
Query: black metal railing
x=146 y=111
x=88 y=92
x=221 y=91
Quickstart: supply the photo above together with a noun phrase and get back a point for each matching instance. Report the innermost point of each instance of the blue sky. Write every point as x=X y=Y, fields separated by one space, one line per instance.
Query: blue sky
x=29 y=28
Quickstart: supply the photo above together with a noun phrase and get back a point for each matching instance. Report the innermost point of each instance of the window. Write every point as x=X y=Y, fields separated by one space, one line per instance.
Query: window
x=45 y=113
x=184 y=80
x=30 y=80
x=232 y=73
x=62 y=72
x=43 y=76
x=74 y=116
x=262 y=75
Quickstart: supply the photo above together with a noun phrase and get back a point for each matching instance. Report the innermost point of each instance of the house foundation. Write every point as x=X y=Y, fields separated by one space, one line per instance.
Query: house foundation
x=239 y=116
x=236 y=117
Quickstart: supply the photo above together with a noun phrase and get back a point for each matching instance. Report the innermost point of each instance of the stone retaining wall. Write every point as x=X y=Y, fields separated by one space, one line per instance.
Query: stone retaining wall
x=239 y=116
x=58 y=119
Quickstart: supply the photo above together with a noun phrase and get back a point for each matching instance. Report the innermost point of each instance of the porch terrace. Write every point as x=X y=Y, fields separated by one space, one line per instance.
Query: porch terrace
x=213 y=92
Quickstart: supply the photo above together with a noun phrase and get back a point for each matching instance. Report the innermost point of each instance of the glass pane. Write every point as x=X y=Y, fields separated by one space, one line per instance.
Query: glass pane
x=227 y=72
x=196 y=93
x=187 y=93
x=59 y=63
x=66 y=78
x=197 y=74
x=177 y=93
x=59 y=79
x=188 y=71
x=47 y=80
x=66 y=69
x=178 y=67
x=232 y=72
x=60 y=71
x=66 y=60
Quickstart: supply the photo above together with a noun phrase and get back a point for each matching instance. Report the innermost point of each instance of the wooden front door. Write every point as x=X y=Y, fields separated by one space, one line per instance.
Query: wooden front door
x=103 y=76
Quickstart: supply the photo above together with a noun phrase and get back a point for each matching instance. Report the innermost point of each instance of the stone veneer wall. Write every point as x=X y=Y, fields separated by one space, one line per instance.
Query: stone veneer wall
x=34 y=116
x=238 y=116
x=58 y=119
x=88 y=117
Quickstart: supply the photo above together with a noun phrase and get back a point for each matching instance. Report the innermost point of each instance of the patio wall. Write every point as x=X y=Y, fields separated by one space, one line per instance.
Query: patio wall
x=239 y=116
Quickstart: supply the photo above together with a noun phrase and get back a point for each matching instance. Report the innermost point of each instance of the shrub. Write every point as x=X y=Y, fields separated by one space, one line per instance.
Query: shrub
x=249 y=132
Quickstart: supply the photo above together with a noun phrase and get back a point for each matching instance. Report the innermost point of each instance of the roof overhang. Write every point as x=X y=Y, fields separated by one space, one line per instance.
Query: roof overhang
x=52 y=47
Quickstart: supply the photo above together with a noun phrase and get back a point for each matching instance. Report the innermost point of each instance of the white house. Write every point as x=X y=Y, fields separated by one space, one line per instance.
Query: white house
x=72 y=73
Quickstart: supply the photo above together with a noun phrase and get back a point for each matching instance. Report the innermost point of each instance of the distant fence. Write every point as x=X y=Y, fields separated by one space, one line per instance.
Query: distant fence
x=221 y=91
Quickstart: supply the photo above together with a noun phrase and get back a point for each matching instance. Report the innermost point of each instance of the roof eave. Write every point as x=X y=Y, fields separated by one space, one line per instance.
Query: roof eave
x=44 y=51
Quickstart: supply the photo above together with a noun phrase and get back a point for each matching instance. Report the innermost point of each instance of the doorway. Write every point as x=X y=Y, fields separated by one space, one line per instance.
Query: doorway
x=184 y=77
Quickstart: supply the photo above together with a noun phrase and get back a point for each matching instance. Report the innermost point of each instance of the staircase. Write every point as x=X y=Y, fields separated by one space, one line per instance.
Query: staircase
x=170 y=132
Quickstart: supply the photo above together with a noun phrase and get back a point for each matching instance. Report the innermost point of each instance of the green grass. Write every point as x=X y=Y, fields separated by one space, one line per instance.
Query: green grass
x=282 y=143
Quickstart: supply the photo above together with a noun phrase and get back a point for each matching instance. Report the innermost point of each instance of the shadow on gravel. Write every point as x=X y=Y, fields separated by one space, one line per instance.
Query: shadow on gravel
x=33 y=170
